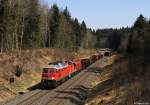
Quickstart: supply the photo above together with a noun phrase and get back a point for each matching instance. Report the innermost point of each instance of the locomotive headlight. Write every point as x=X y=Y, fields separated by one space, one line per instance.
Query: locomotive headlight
x=53 y=78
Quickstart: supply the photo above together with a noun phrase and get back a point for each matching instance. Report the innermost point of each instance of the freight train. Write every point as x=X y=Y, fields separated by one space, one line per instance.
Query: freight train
x=58 y=72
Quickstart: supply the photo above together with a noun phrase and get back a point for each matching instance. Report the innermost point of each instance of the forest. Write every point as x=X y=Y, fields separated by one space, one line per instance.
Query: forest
x=28 y=24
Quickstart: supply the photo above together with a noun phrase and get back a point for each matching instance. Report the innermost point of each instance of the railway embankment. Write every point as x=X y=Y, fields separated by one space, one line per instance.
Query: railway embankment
x=117 y=84
x=72 y=92
x=22 y=69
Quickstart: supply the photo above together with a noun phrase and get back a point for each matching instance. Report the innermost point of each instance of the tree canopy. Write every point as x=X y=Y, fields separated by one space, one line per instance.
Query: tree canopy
x=28 y=24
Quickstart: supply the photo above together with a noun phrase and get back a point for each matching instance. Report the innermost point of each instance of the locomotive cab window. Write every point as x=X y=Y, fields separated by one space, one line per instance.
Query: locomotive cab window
x=52 y=71
x=45 y=70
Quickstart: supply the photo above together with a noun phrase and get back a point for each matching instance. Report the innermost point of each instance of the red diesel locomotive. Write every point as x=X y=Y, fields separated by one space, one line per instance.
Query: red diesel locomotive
x=57 y=72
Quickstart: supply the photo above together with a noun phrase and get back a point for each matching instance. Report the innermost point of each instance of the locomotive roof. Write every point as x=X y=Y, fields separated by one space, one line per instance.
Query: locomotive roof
x=55 y=62
x=57 y=65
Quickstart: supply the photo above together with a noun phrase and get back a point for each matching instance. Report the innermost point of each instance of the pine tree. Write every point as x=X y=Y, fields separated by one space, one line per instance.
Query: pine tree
x=138 y=35
x=65 y=35
x=2 y=3
x=77 y=31
x=53 y=25
x=26 y=24
x=129 y=46
x=83 y=34
x=140 y=22
x=61 y=33
x=70 y=34
x=114 y=41
x=32 y=29
x=67 y=14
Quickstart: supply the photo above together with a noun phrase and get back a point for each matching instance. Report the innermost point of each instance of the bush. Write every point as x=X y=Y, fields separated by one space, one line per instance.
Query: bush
x=18 y=71
x=38 y=69
x=11 y=80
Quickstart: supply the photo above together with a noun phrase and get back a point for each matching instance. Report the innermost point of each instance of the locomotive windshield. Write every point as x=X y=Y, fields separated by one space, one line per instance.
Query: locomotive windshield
x=45 y=70
x=50 y=70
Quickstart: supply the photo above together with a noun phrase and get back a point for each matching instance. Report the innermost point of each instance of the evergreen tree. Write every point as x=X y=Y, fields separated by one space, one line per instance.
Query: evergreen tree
x=26 y=24
x=2 y=3
x=140 y=22
x=67 y=14
x=32 y=30
x=129 y=46
x=65 y=34
x=71 y=35
x=138 y=36
x=114 y=41
x=53 y=26
x=83 y=34
x=77 y=31
x=89 y=39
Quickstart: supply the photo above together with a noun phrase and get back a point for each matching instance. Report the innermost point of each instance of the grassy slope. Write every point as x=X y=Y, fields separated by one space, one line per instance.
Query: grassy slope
x=116 y=86
x=32 y=62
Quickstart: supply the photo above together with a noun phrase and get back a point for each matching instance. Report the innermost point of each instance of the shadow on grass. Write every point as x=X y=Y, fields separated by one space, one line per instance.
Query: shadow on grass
x=76 y=95
x=94 y=69
x=103 y=87
x=36 y=86
x=39 y=86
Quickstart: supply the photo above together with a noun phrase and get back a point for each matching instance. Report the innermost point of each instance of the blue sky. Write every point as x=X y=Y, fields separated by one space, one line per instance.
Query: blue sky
x=105 y=13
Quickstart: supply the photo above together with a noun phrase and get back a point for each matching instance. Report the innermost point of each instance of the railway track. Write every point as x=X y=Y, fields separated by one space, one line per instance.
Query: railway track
x=81 y=82
x=33 y=98
x=59 y=95
x=54 y=94
x=77 y=82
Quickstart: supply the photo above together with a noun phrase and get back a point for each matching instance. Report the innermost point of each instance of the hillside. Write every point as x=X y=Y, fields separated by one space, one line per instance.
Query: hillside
x=31 y=63
x=115 y=85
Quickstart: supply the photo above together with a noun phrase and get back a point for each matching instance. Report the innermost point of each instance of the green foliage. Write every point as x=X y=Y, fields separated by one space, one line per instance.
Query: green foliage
x=54 y=18
x=129 y=46
x=140 y=22
x=2 y=3
x=67 y=14
x=32 y=29
x=115 y=39
x=138 y=40
x=65 y=34
x=9 y=23
x=139 y=46
x=77 y=32
x=38 y=69
x=27 y=24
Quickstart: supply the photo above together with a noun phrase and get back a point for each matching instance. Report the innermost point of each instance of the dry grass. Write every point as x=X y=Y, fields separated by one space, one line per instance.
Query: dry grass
x=31 y=62
x=118 y=86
